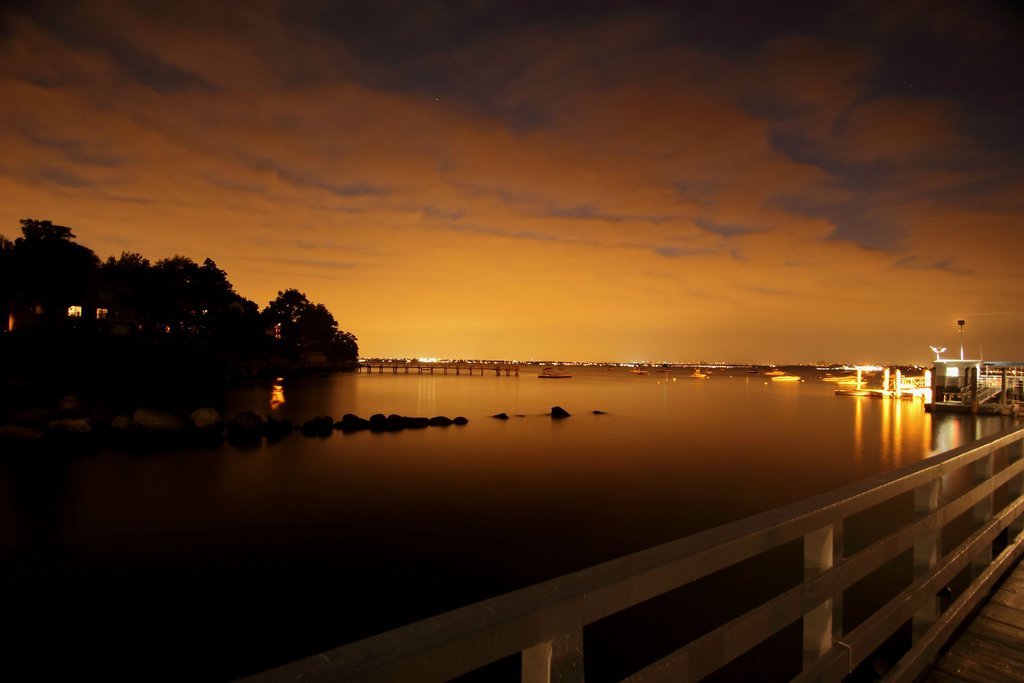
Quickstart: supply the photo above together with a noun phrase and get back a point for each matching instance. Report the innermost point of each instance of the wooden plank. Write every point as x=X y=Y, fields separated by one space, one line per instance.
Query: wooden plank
x=1006 y=615
x=936 y=676
x=1010 y=635
x=1009 y=598
x=979 y=659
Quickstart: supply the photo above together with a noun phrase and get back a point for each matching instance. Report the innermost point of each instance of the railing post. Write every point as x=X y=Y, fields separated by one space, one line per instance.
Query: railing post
x=559 y=660
x=981 y=513
x=822 y=549
x=1014 y=452
x=926 y=556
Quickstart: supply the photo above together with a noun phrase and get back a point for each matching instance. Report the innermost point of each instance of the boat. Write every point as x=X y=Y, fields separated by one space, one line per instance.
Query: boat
x=853 y=392
x=783 y=377
x=638 y=371
x=551 y=373
x=841 y=379
x=697 y=374
x=774 y=373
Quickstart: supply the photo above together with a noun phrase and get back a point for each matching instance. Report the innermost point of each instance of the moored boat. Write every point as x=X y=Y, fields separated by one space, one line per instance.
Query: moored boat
x=551 y=373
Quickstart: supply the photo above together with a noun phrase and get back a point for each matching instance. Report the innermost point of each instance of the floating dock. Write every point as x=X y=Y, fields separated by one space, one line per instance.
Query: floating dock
x=977 y=387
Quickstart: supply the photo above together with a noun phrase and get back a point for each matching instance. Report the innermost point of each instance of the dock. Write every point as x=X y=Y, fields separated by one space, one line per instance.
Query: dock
x=978 y=387
x=991 y=647
x=542 y=626
x=510 y=370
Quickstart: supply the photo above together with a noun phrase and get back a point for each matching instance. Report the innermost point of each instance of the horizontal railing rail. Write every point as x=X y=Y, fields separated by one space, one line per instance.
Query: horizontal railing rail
x=545 y=622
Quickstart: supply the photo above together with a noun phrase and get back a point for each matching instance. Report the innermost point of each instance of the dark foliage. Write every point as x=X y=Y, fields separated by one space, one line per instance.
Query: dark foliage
x=50 y=285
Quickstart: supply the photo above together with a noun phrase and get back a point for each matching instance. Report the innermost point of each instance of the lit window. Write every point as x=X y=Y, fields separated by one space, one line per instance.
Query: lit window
x=39 y=310
x=74 y=311
x=101 y=313
x=952 y=372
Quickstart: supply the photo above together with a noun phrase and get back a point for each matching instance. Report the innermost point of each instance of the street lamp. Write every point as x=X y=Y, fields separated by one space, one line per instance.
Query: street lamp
x=960 y=324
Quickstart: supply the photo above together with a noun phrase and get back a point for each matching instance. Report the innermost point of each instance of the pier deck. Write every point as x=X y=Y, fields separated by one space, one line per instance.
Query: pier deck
x=991 y=647
x=430 y=369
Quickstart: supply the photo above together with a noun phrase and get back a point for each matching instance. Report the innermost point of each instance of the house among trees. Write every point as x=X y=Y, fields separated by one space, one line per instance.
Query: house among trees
x=51 y=285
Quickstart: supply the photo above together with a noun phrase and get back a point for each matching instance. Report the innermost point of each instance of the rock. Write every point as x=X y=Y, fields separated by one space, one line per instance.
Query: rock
x=321 y=425
x=70 y=406
x=122 y=423
x=352 y=423
x=245 y=428
x=157 y=421
x=598 y=412
x=72 y=425
x=500 y=416
x=460 y=421
x=394 y=423
x=415 y=422
x=19 y=435
x=440 y=421
x=559 y=412
x=207 y=420
x=36 y=418
x=275 y=429
x=378 y=422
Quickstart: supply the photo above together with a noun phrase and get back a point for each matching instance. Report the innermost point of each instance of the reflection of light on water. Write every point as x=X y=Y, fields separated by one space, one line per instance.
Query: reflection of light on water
x=947 y=436
x=277 y=394
x=886 y=431
x=858 y=430
x=897 y=406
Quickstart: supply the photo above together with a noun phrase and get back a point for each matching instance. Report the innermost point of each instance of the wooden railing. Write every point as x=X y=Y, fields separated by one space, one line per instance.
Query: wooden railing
x=545 y=622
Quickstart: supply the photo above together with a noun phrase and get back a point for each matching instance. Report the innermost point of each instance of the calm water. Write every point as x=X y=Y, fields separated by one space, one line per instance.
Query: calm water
x=215 y=563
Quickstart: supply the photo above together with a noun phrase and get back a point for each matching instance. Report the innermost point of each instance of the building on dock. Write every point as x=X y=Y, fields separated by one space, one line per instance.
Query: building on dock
x=976 y=386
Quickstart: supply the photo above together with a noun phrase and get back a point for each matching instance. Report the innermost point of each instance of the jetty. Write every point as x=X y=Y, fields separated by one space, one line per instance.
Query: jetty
x=958 y=531
x=977 y=387
x=509 y=370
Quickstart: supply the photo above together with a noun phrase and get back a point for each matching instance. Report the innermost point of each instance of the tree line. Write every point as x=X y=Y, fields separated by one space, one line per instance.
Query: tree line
x=50 y=284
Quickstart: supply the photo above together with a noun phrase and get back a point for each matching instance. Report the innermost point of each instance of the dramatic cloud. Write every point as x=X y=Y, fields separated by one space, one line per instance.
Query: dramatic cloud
x=589 y=181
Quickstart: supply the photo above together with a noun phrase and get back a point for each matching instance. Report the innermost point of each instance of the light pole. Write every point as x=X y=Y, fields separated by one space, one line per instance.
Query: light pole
x=960 y=324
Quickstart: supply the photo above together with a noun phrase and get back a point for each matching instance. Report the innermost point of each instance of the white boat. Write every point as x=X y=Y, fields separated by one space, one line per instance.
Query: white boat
x=774 y=373
x=785 y=378
x=551 y=373
x=638 y=371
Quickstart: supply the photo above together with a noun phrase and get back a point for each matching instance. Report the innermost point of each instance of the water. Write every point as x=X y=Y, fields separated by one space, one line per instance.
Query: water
x=219 y=562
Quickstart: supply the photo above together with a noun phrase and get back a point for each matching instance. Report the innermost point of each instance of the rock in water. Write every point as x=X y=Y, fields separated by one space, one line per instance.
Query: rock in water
x=440 y=421
x=72 y=425
x=500 y=416
x=559 y=412
x=245 y=427
x=460 y=421
x=321 y=425
x=158 y=422
x=207 y=420
x=598 y=412
x=275 y=429
x=352 y=423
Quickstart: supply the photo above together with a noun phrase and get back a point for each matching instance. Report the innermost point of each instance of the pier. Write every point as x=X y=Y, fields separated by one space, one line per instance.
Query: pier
x=950 y=572
x=975 y=386
x=432 y=368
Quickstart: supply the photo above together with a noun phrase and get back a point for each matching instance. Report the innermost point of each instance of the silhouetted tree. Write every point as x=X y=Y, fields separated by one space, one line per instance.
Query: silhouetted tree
x=50 y=270
x=299 y=322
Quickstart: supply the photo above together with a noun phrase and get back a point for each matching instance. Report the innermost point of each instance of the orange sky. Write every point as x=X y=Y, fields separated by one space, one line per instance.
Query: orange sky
x=605 y=184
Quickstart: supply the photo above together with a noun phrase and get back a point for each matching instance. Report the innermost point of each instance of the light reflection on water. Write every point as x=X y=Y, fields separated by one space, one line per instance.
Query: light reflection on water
x=386 y=528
